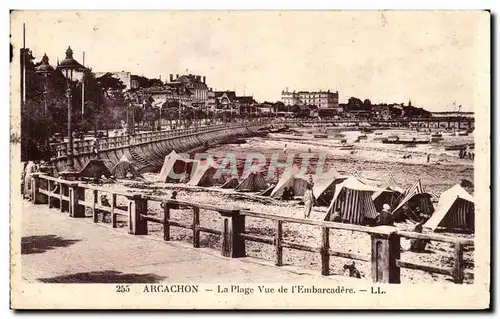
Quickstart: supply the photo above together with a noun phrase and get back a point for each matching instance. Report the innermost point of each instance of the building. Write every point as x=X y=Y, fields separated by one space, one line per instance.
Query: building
x=321 y=99
x=225 y=100
x=229 y=101
x=196 y=84
x=211 y=104
x=128 y=79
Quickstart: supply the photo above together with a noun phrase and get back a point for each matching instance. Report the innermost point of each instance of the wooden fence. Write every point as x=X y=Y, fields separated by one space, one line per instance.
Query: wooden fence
x=385 y=240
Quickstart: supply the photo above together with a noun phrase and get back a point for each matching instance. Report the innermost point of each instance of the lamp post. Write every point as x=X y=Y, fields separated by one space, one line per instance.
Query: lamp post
x=67 y=66
x=45 y=69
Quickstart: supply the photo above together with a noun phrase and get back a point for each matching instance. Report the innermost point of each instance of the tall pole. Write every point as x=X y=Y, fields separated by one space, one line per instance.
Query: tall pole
x=69 y=152
x=23 y=68
x=83 y=87
x=45 y=92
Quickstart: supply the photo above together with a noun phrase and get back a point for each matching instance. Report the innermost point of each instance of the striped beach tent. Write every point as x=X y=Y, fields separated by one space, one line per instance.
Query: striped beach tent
x=174 y=164
x=414 y=197
x=253 y=182
x=124 y=168
x=230 y=183
x=95 y=168
x=353 y=200
x=388 y=194
x=204 y=175
x=455 y=210
x=291 y=178
x=324 y=186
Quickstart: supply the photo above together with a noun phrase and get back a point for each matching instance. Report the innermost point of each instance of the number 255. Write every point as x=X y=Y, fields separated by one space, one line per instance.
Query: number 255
x=122 y=288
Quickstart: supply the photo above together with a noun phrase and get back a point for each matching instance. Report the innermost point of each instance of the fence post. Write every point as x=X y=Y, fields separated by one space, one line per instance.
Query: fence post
x=325 y=254
x=196 y=227
x=75 y=195
x=95 y=213
x=36 y=196
x=166 y=223
x=458 y=266
x=385 y=252
x=233 y=224
x=113 y=214
x=136 y=207
x=278 y=239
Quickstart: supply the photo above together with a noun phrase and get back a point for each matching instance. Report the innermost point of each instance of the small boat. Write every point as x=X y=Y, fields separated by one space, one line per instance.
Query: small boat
x=338 y=135
x=436 y=139
x=320 y=136
x=456 y=147
x=362 y=137
x=463 y=133
x=437 y=135
x=346 y=147
x=404 y=141
x=378 y=133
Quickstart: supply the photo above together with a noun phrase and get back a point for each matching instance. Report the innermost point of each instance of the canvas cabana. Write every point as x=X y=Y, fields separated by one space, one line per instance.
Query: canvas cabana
x=231 y=183
x=124 y=167
x=353 y=200
x=95 y=168
x=174 y=164
x=455 y=210
x=324 y=186
x=414 y=197
x=204 y=175
x=253 y=182
x=291 y=178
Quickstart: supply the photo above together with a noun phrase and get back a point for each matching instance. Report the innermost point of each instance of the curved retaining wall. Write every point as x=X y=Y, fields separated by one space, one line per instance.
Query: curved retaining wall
x=148 y=156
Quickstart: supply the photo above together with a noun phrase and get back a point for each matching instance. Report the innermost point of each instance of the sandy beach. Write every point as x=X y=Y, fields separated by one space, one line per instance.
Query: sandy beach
x=371 y=159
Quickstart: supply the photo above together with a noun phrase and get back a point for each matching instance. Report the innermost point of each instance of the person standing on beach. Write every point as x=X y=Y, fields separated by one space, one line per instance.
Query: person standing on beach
x=428 y=158
x=385 y=217
x=308 y=201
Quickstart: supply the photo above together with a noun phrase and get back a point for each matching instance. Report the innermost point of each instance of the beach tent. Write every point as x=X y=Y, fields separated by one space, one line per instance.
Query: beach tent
x=121 y=169
x=386 y=195
x=324 y=186
x=204 y=175
x=267 y=191
x=95 y=168
x=231 y=183
x=389 y=194
x=367 y=181
x=253 y=182
x=353 y=200
x=455 y=210
x=291 y=178
x=414 y=197
x=174 y=164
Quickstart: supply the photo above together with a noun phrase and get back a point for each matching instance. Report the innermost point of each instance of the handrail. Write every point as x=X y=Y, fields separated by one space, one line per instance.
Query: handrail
x=385 y=260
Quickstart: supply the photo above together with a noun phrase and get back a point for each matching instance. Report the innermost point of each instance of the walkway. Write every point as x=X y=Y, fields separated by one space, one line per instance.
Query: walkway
x=58 y=249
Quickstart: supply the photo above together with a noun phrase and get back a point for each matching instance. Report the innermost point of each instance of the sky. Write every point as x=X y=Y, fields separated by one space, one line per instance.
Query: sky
x=430 y=58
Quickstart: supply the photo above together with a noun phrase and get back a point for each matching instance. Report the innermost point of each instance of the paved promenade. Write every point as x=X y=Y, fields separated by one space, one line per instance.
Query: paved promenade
x=59 y=249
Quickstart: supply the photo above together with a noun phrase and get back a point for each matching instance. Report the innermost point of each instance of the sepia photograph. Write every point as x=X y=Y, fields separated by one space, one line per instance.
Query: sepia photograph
x=250 y=159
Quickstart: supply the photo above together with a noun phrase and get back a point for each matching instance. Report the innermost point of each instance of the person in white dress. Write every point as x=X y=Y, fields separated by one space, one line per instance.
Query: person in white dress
x=308 y=201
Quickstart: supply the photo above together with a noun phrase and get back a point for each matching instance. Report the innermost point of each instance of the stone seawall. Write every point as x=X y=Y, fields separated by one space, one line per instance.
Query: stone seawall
x=148 y=156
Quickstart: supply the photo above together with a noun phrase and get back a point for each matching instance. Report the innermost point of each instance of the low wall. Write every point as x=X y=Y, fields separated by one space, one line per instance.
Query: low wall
x=147 y=151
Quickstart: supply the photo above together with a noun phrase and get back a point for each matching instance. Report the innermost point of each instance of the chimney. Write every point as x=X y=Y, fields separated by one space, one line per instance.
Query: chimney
x=204 y=79
x=198 y=78
x=176 y=76
x=171 y=77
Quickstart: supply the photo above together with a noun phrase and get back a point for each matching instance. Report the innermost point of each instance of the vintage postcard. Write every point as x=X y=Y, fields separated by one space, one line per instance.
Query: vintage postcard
x=250 y=159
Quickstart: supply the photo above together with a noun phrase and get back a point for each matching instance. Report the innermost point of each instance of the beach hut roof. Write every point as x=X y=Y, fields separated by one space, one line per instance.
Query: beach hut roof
x=446 y=201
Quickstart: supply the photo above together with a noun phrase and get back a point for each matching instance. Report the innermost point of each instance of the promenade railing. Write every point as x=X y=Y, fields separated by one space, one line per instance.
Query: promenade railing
x=385 y=256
